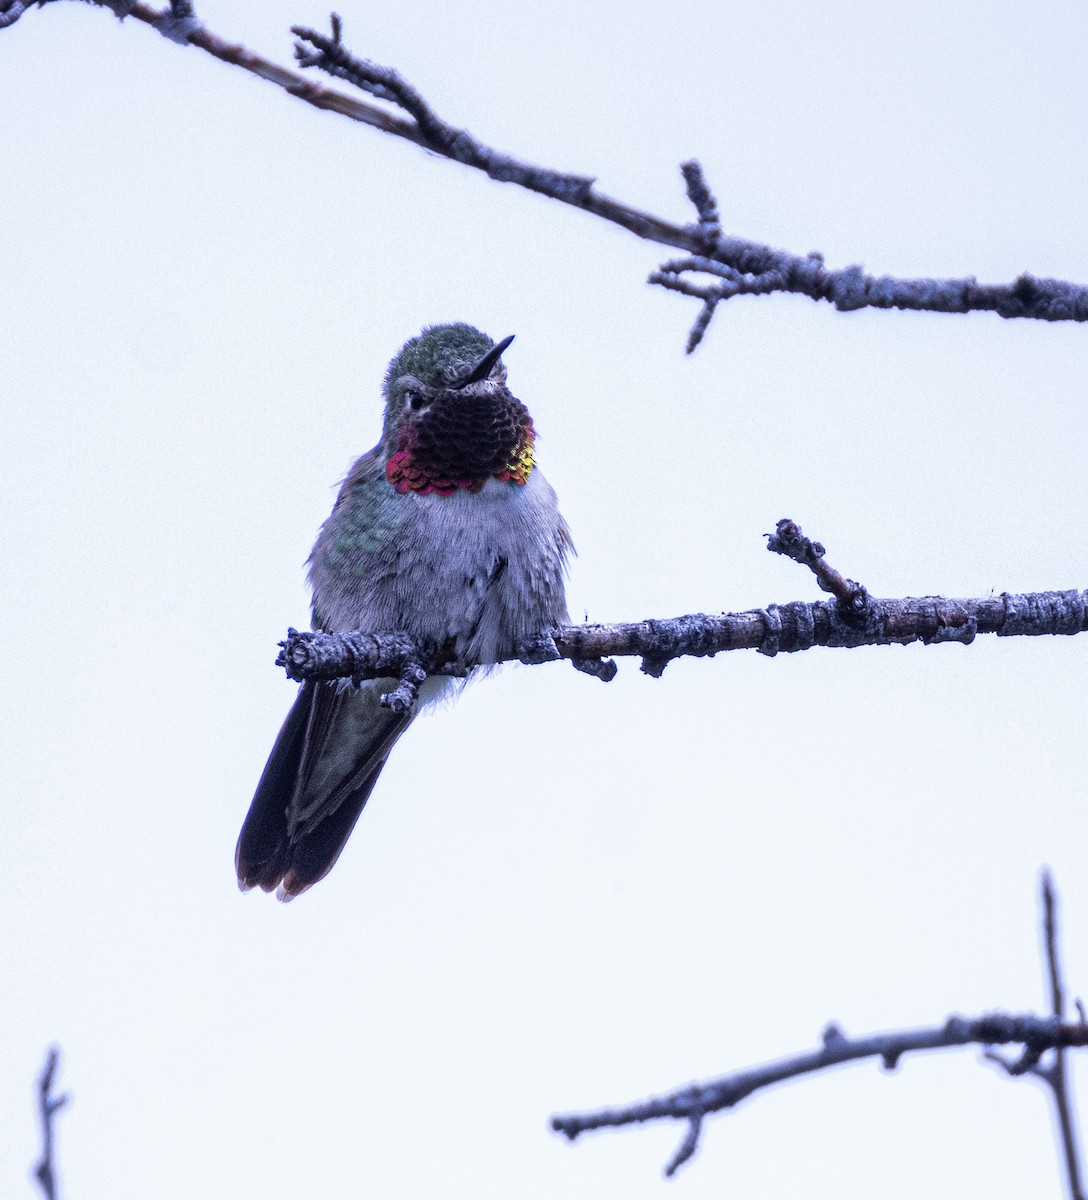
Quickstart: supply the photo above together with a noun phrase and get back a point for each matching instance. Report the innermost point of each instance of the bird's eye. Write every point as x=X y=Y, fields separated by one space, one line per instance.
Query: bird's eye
x=414 y=400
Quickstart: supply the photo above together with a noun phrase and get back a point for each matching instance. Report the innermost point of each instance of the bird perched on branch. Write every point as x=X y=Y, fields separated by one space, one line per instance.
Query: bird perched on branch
x=446 y=531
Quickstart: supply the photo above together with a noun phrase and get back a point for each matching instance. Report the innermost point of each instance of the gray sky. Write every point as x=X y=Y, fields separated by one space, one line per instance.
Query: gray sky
x=561 y=894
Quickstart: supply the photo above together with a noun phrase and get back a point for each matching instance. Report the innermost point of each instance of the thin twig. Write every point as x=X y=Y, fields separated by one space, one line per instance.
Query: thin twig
x=48 y=1107
x=693 y=1102
x=1054 y=1075
x=688 y=1146
x=736 y=266
x=1050 y=941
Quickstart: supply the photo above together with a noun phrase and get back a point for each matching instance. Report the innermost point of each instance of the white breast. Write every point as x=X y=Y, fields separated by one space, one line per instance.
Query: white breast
x=484 y=570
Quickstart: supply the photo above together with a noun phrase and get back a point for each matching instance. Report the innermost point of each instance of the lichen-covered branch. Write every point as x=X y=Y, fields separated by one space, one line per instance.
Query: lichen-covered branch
x=738 y=267
x=778 y=628
x=715 y=266
x=851 y=618
x=1034 y=1034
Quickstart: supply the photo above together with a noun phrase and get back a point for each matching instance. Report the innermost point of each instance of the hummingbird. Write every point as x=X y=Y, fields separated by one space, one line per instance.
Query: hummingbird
x=446 y=531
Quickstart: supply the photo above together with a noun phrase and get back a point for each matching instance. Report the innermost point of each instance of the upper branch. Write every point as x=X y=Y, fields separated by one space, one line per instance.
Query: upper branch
x=735 y=266
x=744 y=268
x=330 y=55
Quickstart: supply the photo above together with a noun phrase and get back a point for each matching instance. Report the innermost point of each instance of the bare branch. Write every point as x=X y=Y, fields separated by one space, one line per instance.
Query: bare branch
x=11 y=11
x=1036 y=1035
x=778 y=628
x=459 y=144
x=693 y=1102
x=745 y=268
x=852 y=618
x=48 y=1106
x=736 y=266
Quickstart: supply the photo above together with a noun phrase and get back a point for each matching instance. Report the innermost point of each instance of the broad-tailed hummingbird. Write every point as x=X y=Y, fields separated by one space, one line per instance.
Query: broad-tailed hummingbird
x=447 y=531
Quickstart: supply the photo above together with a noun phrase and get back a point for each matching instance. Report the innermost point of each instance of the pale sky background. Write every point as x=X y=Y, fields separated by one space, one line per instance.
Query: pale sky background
x=561 y=894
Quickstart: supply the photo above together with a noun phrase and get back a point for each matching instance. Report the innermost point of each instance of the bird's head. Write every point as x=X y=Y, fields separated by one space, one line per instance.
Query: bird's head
x=451 y=423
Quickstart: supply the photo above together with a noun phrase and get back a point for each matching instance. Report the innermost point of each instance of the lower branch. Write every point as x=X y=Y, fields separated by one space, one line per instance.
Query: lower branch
x=1035 y=1035
x=695 y=1101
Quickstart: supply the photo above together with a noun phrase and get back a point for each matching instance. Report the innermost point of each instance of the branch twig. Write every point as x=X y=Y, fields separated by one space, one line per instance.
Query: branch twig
x=330 y=55
x=48 y=1106
x=744 y=268
x=788 y=539
x=736 y=266
x=1057 y=1075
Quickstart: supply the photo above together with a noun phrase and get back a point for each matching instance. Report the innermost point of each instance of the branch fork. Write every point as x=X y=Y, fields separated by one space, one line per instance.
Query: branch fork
x=745 y=268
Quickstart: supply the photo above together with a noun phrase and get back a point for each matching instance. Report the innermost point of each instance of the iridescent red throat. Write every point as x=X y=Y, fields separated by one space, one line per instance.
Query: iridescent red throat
x=460 y=442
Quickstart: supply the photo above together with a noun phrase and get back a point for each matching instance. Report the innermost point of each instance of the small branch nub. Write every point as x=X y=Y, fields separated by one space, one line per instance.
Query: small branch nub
x=789 y=540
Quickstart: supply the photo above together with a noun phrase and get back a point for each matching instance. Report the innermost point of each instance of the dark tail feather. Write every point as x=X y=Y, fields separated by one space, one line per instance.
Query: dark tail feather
x=314 y=854
x=321 y=771
x=262 y=853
